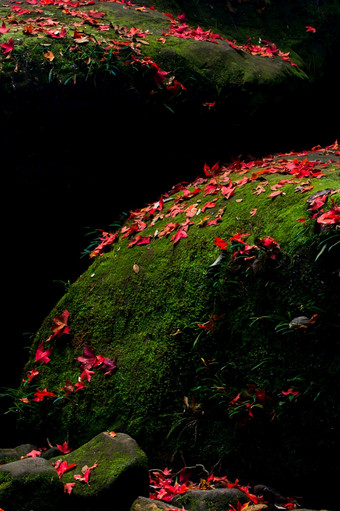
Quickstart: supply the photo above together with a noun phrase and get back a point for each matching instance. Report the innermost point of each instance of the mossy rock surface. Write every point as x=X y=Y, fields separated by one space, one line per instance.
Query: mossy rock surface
x=41 y=492
x=41 y=55
x=119 y=471
x=211 y=360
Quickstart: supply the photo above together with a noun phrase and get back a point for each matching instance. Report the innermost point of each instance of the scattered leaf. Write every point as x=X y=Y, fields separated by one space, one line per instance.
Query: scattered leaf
x=8 y=47
x=68 y=487
x=49 y=55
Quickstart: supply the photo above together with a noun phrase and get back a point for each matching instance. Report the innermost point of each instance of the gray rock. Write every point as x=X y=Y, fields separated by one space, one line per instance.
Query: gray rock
x=16 y=452
x=205 y=500
x=27 y=466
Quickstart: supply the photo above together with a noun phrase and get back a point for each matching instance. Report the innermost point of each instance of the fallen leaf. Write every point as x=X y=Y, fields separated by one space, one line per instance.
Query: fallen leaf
x=64 y=448
x=41 y=355
x=135 y=268
x=30 y=375
x=49 y=55
x=221 y=243
x=181 y=233
x=3 y=29
x=80 y=37
x=40 y=394
x=32 y=454
x=68 y=487
x=8 y=47
x=60 y=324
x=61 y=467
x=275 y=194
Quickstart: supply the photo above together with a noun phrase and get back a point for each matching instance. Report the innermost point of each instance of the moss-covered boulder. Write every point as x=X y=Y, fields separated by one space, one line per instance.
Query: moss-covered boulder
x=30 y=484
x=109 y=468
x=207 y=325
x=76 y=114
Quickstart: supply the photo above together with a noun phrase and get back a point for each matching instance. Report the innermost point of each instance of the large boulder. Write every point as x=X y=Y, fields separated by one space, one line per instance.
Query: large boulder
x=109 y=468
x=206 y=326
x=82 y=118
x=31 y=483
x=118 y=472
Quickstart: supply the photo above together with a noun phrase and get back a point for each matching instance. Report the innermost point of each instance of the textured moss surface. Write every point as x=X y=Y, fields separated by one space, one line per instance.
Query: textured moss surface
x=39 y=492
x=198 y=64
x=142 y=304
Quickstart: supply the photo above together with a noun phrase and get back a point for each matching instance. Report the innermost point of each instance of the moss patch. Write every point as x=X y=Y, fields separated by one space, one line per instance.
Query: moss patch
x=40 y=492
x=143 y=304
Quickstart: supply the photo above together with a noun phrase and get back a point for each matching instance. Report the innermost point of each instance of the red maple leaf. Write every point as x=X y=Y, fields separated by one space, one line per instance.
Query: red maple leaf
x=79 y=385
x=181 y=233
x=140 y=240
x=87 y=373
x=41 y=355
x=61 y=467
x=171 y=226
x=68 y=487
x=8 y=46
x=228 y=191
x=221 y=243
x=210 y=204
x=57 y=34
x=107 y=364
x=40 y=394
x=290 y=392
x=210 y=324
x=211 y=171
x=237 y=238
x=209 y=105
x=86 y=471
x=310 y=29
x=330 y=217
x=32 y=454
x=30 y=375
x=64 y=448
x=275 y=194
x=88 y=359
x=60 y=325
x=3 y=29
x=85 y=477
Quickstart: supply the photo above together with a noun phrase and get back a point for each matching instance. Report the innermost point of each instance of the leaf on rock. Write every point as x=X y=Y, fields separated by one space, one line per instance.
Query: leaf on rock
x=41 y=355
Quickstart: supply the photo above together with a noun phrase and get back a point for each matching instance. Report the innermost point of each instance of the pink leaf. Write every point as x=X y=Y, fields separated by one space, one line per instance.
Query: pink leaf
x=8 y=46
x=181 y=233
x=68 y=487
x=42 y=356
x=3 y=29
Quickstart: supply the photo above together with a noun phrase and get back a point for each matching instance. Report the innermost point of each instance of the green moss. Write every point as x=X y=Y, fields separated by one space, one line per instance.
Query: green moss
x=38 y=492
x=148 y=320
